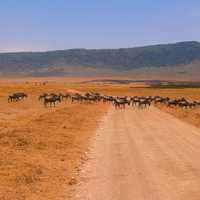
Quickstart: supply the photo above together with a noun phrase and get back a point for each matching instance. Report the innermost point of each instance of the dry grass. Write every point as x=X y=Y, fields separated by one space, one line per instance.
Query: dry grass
x=41 y=147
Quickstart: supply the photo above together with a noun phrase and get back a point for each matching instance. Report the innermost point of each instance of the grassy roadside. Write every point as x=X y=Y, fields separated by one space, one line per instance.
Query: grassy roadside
x=40 y=148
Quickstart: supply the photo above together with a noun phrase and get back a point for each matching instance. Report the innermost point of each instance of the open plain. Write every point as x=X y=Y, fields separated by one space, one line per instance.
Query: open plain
x=44 y=151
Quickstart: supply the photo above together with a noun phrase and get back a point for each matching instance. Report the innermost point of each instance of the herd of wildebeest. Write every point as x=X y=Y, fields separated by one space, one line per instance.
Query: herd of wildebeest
x=118 y=102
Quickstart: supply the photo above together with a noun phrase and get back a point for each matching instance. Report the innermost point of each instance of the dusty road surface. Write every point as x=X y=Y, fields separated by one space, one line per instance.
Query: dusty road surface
x=141 y=154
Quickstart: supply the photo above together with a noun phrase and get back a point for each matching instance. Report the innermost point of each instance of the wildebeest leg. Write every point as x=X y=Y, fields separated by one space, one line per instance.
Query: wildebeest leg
x=117 y=106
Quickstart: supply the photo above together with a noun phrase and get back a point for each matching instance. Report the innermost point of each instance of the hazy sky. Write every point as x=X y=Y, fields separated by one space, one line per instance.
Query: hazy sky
x=63 y=24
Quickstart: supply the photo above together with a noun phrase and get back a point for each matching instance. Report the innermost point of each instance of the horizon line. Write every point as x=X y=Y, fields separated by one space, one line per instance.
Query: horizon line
x=131 y=47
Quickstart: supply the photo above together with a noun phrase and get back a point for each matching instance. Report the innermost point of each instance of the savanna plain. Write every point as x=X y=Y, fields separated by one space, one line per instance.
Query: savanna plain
x=41 y=148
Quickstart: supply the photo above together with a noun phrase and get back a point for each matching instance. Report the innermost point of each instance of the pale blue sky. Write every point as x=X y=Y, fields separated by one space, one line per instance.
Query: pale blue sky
x=31 y=25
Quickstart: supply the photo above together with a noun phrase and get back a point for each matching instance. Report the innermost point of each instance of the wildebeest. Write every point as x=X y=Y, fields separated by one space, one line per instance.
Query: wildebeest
x=141 y=102
x=107 y=99
x=76 y=98
x=120 y=102
x=17 y=96
x=161 y=100
x=135 y=100
x=65 y=96
x=51 y=99
x=144 y=103
x=12 y=98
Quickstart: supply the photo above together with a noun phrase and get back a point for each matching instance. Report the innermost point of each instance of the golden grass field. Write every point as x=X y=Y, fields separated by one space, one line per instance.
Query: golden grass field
x=40 y=148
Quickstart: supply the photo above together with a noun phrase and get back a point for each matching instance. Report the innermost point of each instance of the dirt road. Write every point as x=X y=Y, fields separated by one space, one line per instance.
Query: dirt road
x=141 y=154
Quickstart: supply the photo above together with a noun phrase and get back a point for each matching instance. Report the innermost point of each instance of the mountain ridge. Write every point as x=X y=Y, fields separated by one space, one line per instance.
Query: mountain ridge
x=119 y=60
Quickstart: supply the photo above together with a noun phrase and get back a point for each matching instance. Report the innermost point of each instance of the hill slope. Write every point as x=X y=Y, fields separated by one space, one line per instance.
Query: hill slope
x=94 y=61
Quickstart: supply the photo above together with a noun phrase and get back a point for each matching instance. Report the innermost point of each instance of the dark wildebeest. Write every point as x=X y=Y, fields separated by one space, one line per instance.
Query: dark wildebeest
x=107 y=99
x=135 y=100
x=17 y=96
x=51 y=99
x=144 y=103
x=77 y=98
x=12 y=98
x=65 y=96
x=120 y=102
x=91 y=99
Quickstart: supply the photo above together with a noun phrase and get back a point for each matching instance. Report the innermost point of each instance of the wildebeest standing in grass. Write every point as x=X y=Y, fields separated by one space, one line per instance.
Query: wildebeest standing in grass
x=20 y=95
x=65 y=96
x=51 y=99
x=120 y=102
x=17 y=96
x=107 y=99
x=135 y=100
x=12 y=98
x=77 y=98
x=144 y=103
